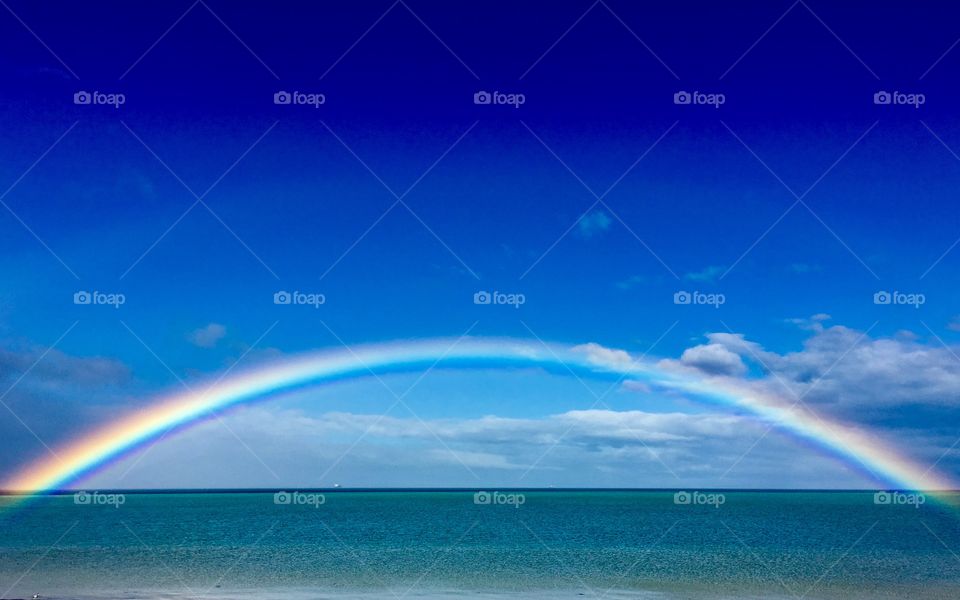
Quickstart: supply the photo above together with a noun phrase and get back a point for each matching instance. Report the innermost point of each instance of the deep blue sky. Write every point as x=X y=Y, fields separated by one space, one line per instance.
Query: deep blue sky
x=200 y=95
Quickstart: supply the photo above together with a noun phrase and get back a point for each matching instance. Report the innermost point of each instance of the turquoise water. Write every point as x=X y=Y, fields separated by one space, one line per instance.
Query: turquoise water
x=428 y=544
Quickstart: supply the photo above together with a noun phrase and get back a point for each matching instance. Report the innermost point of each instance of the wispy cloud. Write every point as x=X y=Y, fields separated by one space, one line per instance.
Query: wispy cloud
x=631 y=282
x=208 y=336
x=707 y=274
x=593 y=223
x=802 y=268
x=813 y=323
x=576 y=447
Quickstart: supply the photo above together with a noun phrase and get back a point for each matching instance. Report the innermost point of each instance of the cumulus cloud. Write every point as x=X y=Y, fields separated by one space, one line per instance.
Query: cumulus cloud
x=208 y=336
x=900 y=389
x=722 y=355
x=861 y=376
x=602 y=356
x=848 y=370
x=714 y=359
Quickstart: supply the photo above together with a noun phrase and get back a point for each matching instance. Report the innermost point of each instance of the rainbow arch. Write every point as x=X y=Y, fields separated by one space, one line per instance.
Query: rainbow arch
x=117 y=439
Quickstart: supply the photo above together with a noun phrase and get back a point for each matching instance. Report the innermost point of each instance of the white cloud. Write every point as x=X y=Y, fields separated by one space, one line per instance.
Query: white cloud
x=479 y=460
x=602 y=356
x=803 y=268
x=898 y=389
x=840 y=372
x=631 y=282
x=52 y=368
x=714 y=359
x=578 y=447
x=814 y=323
x=593 y=223
x=585 y=425
x=850 y=371
x=706 y=274
x=208 y=336
x=838 y=368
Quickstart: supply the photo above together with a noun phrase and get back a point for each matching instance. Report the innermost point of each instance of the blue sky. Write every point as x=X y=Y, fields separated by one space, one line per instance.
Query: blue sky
x=399 y=198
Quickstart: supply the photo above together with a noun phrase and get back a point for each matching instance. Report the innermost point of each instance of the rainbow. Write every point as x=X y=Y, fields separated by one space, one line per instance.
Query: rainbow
x=96 y=450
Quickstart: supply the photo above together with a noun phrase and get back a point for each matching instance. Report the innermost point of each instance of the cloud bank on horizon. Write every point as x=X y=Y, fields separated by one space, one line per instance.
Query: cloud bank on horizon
x=604 y=439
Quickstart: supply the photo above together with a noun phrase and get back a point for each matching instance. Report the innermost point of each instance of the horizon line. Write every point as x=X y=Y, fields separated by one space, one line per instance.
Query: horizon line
x=391 y=489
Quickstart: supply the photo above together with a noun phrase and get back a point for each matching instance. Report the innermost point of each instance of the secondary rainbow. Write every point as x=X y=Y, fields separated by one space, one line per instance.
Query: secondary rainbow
x=69 y=464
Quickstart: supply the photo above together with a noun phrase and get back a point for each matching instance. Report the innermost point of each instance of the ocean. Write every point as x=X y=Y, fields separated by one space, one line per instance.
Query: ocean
x=489 y=544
